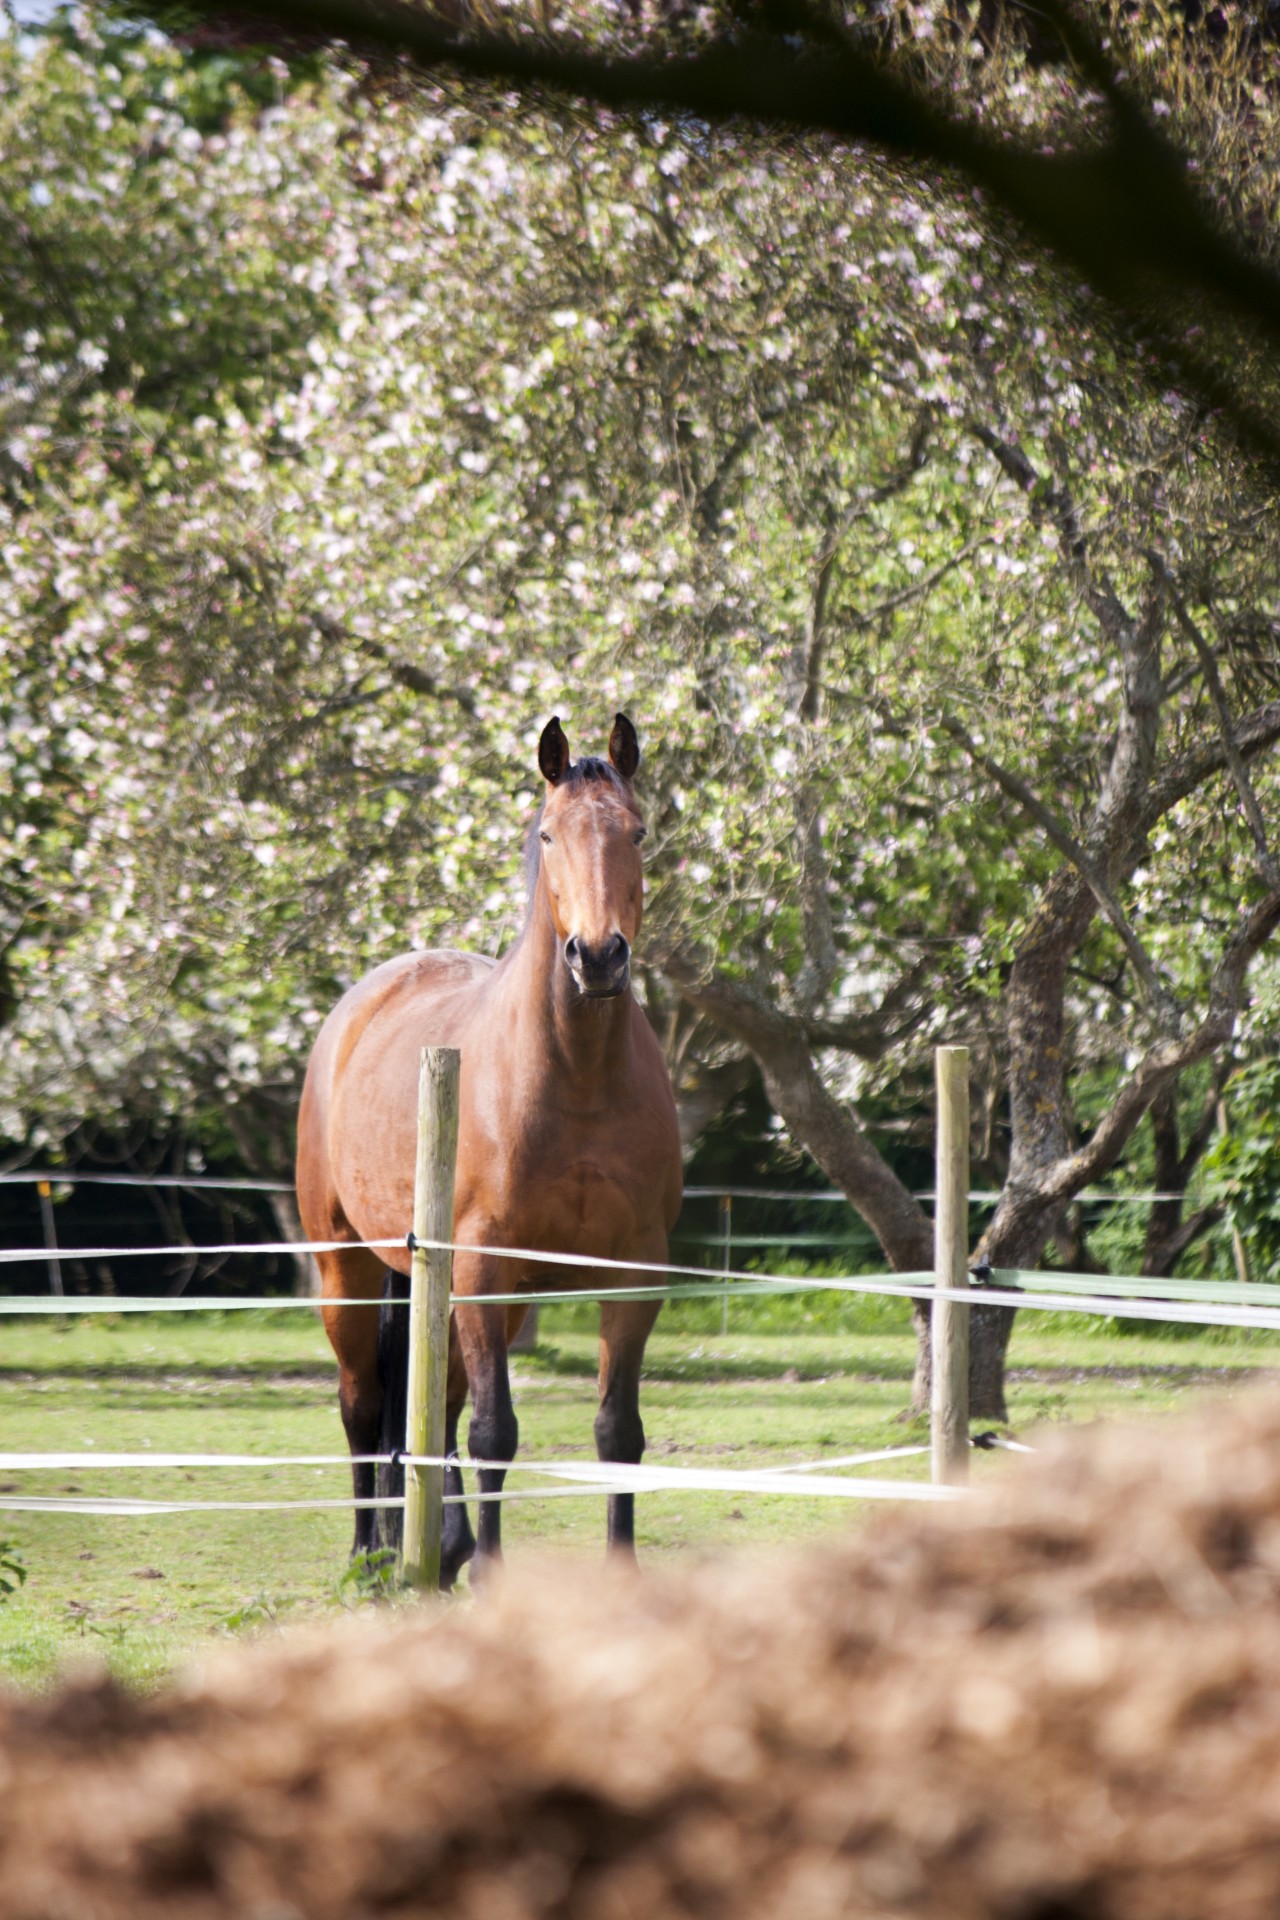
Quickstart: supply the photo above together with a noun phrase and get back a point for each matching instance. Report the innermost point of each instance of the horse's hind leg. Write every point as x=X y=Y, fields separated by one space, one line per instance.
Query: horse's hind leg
x=457 y=1542
x=393 y=1417
x=356 y=1275
x=361 y=1420
x=625 y=1326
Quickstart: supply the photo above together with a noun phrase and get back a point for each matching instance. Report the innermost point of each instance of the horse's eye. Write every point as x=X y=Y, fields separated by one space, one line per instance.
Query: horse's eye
x=639 y=834
x=545 y=837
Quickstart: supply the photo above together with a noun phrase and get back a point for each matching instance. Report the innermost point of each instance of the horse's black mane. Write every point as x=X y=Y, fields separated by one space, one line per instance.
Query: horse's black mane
x=581 y=774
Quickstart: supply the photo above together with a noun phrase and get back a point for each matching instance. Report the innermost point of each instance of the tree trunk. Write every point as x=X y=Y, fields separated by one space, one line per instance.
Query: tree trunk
x=703 y=1094
x=989 y=1331
x=306 y=1273
x=1165 y=1217
x=527 y=1338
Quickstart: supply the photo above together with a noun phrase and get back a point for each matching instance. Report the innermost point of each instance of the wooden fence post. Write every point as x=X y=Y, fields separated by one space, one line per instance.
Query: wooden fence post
x=429 y=1286
x=950 y=1318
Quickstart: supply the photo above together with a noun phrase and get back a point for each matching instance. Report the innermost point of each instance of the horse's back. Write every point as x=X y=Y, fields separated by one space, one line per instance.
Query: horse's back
x=357 y=1122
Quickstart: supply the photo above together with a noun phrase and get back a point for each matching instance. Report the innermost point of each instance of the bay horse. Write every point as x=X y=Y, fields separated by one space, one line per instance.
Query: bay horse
x=567 y=1143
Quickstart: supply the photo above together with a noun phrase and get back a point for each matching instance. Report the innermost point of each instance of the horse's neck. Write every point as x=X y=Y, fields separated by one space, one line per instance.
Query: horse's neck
x=561 y=1036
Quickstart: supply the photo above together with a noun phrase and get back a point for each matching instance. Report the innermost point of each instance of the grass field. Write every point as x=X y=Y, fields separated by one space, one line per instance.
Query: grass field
x=789 y=1380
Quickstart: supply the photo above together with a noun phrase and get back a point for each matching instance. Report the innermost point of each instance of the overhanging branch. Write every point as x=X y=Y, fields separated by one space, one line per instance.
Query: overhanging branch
x=1125 y=214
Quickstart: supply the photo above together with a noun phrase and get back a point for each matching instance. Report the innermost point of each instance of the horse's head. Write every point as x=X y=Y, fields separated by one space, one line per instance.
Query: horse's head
x=590 y=830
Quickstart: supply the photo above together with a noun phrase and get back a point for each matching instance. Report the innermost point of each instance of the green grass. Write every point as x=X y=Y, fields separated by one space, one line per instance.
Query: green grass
x=788 y=1380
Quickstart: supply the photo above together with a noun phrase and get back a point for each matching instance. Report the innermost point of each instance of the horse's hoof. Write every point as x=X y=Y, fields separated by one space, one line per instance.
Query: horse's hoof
x=453 y=1558
x=486 y=1571
x=449 y=1574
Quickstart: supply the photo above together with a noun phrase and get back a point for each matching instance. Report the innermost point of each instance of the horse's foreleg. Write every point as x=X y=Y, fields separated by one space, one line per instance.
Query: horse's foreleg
x=458 y=1543
x=625 y=1326
x=494 y=1432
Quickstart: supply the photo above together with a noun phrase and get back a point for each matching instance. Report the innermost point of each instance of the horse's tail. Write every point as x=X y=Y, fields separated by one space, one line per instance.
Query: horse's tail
x=393 y=1374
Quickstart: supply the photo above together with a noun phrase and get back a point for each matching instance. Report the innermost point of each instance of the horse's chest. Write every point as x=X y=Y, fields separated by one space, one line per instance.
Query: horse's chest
x=579 y=1189
x=582 y=1204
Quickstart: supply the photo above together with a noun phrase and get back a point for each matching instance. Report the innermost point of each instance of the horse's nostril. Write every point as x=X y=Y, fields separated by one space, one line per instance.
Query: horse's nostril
x=590 y=963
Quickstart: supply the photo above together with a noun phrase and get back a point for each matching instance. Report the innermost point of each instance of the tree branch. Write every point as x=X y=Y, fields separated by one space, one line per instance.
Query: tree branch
x=1050 y=500
x=1165 y=1060
x=1267 y=865
x=710 y=502
x=821 y=955
x=827 y=1129
x=869 y=616
x=1137 y=642
x=814 y=650
x=403 y=672
x=1167 y=1252
x=1206 y=1124
x=815 y=635
x=1254 y=734
x=704 y=1093
x=870 y=1035
x=1160 y=1001
x=1124 y=212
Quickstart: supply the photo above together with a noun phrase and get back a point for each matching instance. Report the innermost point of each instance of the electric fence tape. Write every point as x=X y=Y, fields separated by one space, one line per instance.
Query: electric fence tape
x=1256 y=1304
x=586 y=1480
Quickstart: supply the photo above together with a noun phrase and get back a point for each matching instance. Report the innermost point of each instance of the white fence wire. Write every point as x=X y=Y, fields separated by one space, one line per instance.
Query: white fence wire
x=217 y=1183
x=586 y=1479
x=1255 y=1306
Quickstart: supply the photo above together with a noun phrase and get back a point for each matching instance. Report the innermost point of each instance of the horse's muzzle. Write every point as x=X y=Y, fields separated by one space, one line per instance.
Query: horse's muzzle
x=600 y=973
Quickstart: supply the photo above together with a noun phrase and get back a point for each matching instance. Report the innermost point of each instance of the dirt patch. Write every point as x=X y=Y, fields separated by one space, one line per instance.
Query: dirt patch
x=1061 y=1700
x=1142 y=1376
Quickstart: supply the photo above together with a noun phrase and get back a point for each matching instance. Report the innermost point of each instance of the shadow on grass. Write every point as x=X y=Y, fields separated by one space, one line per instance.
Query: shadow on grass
x=720 y=1366
x=166 y=1393
x=295 y=1372
x=1138 y=1373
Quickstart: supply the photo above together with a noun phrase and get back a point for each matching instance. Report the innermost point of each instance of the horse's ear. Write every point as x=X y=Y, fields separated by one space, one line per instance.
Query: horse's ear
x=553 y=750
x=624 y=747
